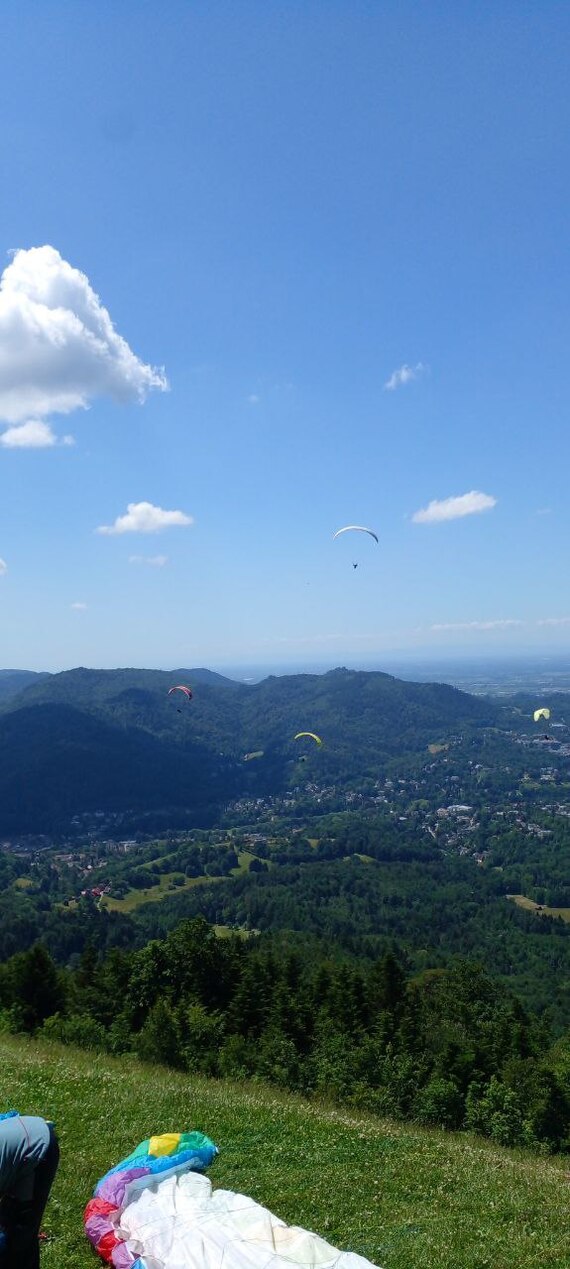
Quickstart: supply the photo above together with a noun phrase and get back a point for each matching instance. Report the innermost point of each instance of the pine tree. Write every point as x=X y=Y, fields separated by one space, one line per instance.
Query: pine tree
x=37 y=988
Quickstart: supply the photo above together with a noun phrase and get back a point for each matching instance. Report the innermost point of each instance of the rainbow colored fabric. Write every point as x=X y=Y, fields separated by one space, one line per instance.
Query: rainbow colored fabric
x=172 y=1151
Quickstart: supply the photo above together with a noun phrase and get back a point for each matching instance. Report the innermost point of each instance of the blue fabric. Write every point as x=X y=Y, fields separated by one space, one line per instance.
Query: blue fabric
x=196 y=1158
x=9 y=1114
x=22 y=1212
x=24 y=1140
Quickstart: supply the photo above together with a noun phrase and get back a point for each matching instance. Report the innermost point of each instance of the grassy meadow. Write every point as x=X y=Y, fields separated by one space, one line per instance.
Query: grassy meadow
x=163 y=888
x=541 y=909
x=405 y=1197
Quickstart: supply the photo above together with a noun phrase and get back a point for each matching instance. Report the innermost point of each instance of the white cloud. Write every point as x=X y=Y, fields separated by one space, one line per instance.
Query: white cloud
x=453 y=508
x=155 y=561
x=31 y=435
x=403 y=375
x=79 y=606
x=253 y=398
x=501 y=624
x=143 y=517
x=35 y=434
x=3 y=568
x=59 y=349
x=544 y=511
x=554 y=621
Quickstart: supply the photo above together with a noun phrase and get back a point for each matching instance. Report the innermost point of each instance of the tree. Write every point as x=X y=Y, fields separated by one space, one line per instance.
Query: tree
x=37 y=988
x=495 y=1111
x=160 y=1039
x=440 y=1103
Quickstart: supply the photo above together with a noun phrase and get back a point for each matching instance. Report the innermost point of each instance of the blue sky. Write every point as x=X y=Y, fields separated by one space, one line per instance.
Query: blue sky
x=282 y=205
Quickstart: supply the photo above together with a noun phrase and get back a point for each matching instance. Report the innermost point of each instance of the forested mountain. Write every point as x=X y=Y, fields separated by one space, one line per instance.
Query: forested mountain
x=57 y=761
x=115 y=740
x=411 y=832
x=13 y=681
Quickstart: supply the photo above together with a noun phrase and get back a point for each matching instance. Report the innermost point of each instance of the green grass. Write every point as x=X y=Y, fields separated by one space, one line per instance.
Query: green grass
x=155 y=893
x=244 y=859
x=135 y=898
x=405 y=1197
x=541 y=909
x=228 y=931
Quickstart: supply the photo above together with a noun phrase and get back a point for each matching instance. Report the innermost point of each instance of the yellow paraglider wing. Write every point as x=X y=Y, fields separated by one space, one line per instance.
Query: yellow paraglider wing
x=312 y=735
x=541 y=713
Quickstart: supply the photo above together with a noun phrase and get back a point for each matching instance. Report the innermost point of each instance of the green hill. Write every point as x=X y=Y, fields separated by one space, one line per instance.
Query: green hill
x=14 y=681
x=114 y=740
x=57 y=761
x=405 y=1197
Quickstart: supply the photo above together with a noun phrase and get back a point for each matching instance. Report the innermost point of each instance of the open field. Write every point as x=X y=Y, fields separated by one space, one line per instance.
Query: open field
x=540 y=908
x=405 y=1197
x=162 y=888
x=135 y=898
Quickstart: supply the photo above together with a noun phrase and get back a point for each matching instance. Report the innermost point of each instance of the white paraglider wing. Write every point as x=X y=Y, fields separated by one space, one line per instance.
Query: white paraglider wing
x=356 y=528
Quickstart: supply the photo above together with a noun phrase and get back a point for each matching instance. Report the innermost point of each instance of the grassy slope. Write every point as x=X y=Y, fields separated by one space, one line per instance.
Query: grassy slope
x=403 y=1196
x=135 y=898
x=542 y=910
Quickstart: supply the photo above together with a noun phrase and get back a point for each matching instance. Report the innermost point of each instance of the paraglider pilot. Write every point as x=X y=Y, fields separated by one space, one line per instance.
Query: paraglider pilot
x=29 y=1155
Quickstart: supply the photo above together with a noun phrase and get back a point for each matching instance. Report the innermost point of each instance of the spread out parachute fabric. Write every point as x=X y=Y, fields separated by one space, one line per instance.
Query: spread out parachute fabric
x=154 y=1158
x=311 y=734
x=541 y=713
x=358 y=528
x=168 y=1217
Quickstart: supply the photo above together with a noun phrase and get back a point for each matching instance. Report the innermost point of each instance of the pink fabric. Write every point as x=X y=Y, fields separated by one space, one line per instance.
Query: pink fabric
x=121 y=1258
x=96 y=1227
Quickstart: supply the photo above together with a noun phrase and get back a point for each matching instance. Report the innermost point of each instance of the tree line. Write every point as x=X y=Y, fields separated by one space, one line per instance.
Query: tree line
x=450 y=1047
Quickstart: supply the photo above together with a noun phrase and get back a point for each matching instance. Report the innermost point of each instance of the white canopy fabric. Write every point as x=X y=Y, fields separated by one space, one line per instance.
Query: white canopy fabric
x=181 y=1223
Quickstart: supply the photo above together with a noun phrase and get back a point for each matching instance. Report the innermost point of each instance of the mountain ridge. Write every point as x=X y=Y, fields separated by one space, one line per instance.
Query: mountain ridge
x=189 y=755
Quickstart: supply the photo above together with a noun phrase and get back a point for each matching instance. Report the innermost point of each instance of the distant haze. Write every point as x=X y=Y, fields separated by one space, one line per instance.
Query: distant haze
x=533 y=672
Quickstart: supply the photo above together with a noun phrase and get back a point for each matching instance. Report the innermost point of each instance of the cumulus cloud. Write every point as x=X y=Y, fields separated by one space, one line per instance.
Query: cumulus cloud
x=143 y=517
x=3 y=568
x=31 y=435
x=403 y=375
x=154 y=561
x=554 y=621
x=78 y=606
x=468 y=504
x=501 y=624
x=59 y=349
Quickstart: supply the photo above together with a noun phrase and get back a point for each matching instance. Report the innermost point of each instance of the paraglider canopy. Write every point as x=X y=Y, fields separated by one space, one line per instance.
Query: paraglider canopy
x=355 y=528
x=311 y=734
x=180 y=687
x=541 y=713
